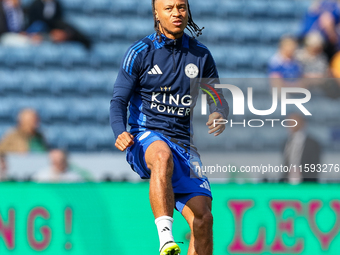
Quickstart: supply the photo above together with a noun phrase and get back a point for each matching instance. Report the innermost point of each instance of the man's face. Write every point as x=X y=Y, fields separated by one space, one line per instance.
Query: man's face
x=29 y=122
x=58 y=161
x=288 y=48
x=173 y=17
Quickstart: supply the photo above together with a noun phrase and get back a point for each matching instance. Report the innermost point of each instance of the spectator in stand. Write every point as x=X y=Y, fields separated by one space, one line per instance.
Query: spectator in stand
x=26 y=136
x=3 y=167
x=324 y=17
x=11 y=16
x=335 y=72
x=59 y=171
x=312 y=58
x=46 y=16
x=284 y=67
x=335 y=66
x=301 y=149
x=12 y=23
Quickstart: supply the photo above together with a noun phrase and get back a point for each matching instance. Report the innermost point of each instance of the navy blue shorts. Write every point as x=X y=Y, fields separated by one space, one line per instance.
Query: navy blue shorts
x=185 y=183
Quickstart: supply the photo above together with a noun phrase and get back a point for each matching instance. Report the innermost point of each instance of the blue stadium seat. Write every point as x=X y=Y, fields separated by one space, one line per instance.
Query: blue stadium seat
x=233 y=58
x=63 y=83
x=102 y=110
x=15 y=57
x=74 y=138
x=214 y=31
x=246 y=32
x=53 y=136
x=97 y=6
x=282 y=9
x=101 y=138
x=11 y=83
x=35 y=83
x=126 y=6
x=90 y=27
x=139 y=28
x=232 y=8
x=82 y=111
x=108 y=54
x=72 y=5
x=112 y=30
x=271 y=32
x=8 y=110
x=48 y=54
x=262 y=56
x=203 y=8
x=55 y=110
x=144 y=9
x=258 y=8
x=74 y=54
x=301 y=7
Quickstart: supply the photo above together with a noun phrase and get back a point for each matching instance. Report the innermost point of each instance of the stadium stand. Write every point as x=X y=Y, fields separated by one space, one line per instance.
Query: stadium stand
x=71 y=87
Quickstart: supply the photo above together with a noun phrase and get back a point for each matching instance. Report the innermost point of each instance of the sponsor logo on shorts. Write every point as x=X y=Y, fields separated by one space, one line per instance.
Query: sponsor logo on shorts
x=205 y=185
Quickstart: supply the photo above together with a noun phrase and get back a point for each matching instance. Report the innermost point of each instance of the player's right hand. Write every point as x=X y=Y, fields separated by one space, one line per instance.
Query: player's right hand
x=124 y=141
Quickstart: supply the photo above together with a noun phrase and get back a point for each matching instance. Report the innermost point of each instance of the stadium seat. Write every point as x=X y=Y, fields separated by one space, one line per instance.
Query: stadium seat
x=112 y=30
x=7 y=110
x=72 y=5
x=282 y=9
x=271 y=32
x=301 y=7
x=53 y=137
x=17 y=56
x=63 y=83
x=139 y=28
x=11 y=83
x=203 y=8
x=231 y=8
x=258 y=8
x=82 y=111
x=261 y=57
x=246 y=32
x=216 y=32
x=102 y=110
x=97 y=6
x=55 y=110
x=90 y=27
x=100 y=138
x=48 y=54
x=108 y=55
x=74 y=55
x=35 y=83
x=74 y=138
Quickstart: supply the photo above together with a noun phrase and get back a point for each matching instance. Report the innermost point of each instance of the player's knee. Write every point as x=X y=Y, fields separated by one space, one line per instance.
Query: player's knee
x=164 y=157
x=162 y=162
x=203 y=221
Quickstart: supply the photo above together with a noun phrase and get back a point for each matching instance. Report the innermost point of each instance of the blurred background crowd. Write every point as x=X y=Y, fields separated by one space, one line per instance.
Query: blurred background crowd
x=59 y=60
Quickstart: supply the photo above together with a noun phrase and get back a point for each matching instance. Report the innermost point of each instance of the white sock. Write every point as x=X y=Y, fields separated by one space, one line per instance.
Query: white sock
x=164 y=227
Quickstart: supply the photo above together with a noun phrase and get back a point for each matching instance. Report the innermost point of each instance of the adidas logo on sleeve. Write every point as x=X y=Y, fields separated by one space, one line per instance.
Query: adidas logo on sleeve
x=155 y=70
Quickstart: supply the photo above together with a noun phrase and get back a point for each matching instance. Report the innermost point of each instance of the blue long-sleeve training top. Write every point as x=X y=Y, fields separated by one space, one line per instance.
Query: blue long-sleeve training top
x=155 y=82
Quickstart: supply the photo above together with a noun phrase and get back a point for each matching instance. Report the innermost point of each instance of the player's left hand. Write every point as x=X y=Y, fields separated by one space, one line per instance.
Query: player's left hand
x=218 y=129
